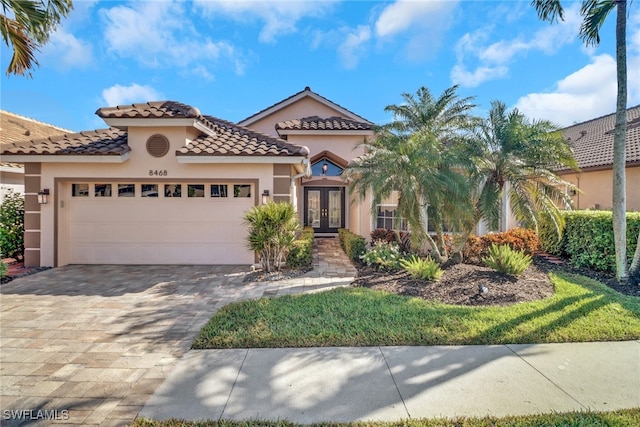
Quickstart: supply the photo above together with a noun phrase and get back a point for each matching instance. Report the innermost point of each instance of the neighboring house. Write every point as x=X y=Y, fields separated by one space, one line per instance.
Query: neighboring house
x=14 y=128
x=592 y=143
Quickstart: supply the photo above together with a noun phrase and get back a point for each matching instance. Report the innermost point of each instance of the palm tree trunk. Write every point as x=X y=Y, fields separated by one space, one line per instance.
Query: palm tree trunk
x=634 y=270
x=619 y=147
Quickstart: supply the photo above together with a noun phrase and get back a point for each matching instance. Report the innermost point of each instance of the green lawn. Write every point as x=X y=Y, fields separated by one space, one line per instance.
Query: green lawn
x=580 y=310
x=626 y=417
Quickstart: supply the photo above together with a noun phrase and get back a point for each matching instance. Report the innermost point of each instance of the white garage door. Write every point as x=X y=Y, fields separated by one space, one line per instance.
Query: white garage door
x=147 y=223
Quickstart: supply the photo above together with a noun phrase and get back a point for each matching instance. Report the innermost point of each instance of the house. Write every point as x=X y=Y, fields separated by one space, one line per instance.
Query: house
x=592 y=143
x=14 y=128
x=166 y=184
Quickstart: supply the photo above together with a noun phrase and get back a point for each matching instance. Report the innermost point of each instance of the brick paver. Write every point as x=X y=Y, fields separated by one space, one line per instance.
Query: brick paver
x=88 y=345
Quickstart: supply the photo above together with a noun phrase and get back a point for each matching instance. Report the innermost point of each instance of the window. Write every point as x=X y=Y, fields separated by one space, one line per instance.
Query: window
x=173 y=190
x=219 y=190
x=325 y=167
x=387 y=218
x=195 y=190
x=80 y=190
x=149 y=190
x=102 y=190
x=242 y=190
x=126 y=190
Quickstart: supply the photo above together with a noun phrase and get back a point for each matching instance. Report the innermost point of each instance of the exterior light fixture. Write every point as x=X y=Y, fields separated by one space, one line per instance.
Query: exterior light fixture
x=43 y=196
x=325 y=166
x=265 y=197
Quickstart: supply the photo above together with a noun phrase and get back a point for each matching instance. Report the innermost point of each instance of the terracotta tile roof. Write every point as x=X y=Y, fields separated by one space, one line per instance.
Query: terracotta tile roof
x=103 y=142
x=592 y=141
x=234 y=140
x=318 y=123
x=158 y=109
x=285 y=102
x=17 y=128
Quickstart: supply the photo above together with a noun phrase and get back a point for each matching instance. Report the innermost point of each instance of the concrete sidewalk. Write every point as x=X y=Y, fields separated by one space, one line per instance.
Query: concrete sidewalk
x=311 y=385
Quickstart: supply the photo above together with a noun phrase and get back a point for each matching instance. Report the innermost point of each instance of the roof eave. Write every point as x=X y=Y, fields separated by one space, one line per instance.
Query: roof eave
x=357 y=132
x=125 y=123
x=241 y=159
x=66 y=158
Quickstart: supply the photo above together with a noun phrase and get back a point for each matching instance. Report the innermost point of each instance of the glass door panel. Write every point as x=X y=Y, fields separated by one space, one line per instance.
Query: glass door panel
x=313 y=208
x=335 y=208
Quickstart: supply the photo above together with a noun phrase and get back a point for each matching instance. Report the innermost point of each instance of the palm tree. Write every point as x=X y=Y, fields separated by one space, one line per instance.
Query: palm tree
x=516 y=156
x=26 y=25
x=594 y=13
x=416 y=156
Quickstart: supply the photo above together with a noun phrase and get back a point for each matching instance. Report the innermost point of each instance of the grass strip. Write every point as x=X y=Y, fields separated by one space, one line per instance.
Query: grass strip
x=581 y=310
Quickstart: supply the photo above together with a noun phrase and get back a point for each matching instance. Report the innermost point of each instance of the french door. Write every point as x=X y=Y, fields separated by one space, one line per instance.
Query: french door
x=324 y=208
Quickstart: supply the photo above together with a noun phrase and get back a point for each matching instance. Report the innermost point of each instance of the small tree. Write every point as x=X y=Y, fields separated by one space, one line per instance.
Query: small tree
x=12 y=225
x=272 y=232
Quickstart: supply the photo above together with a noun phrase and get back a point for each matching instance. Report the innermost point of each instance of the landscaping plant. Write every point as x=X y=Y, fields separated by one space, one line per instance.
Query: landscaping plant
x=301 y=252
x=3 y=269
x=505 y=260
x=12 y=225
x=422 y=268
x=272 y=231
x=384 y=256
x=352 y=244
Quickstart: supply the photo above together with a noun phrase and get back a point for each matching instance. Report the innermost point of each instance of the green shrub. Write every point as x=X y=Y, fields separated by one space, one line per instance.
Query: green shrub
x=301 y=252
x=272 y=231
x=3 y=269
x=550 y=241
x=587 y=238
x=12 y=225
x=422 y=268
x=352 y=244
x=505 y=260
x=383 y=255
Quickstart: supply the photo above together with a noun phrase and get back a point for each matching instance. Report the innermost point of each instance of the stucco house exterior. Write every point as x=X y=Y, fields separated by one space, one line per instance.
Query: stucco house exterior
x=166 y=184
x=17 y=128
x=592 y=143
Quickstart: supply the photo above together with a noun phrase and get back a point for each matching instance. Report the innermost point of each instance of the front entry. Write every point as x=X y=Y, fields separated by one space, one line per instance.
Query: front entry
x=324 y=208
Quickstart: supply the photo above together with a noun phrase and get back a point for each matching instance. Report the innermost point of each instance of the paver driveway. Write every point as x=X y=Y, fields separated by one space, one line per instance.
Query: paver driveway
x=94 y=342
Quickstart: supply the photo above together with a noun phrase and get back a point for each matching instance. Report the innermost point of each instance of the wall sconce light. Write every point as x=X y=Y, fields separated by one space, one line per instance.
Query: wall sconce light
x=265 y=197
x=325 y=167
x=572 y=192
x=43 y=196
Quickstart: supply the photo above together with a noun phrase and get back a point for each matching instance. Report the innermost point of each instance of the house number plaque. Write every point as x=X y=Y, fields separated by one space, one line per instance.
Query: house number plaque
x=157 y=172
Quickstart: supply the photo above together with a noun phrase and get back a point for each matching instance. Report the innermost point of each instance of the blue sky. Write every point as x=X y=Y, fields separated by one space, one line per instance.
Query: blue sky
x=233 y=58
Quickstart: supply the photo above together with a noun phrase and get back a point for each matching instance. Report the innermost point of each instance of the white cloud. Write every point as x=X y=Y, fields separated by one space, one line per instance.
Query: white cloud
x=279 y=17
x=473 y=48
x=403 y=14
x=65 y=51
x=591 y=91
x=352 y=47
x=121 y=95
x=160 y=33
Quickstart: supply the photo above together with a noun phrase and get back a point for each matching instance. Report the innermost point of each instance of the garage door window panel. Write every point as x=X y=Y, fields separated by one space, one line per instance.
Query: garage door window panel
x=219 y=190
x=102 y=190
x=149 y=190
x=242 y=190
x=126 y=190
x=173 y=190
x=80 y=190
x=195 y=190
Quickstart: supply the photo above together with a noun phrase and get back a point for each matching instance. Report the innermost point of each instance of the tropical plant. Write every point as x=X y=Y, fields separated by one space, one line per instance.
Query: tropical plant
x=505 y=260
x=272 y=231
x=383 y=255
x=26 y=25
x=515 y=155
x=422 y=268
x=594 y=13
x=417 y=156
x=12 y=225
x=3 y=269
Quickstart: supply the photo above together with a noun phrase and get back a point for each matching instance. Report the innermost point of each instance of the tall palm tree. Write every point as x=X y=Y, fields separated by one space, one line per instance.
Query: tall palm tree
x=26 y=25
x=594 y=13
x=416 y=156
x=514 y=155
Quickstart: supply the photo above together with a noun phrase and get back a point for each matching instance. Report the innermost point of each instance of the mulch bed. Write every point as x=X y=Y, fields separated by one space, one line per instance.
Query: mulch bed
x=476 y=285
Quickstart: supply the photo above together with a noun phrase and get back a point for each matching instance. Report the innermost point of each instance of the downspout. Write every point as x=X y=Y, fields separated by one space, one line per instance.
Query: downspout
x=306 y=173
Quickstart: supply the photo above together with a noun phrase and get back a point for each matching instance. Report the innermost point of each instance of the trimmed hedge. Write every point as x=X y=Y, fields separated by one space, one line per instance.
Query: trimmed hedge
x=352 y=244
x=587 y=238
x=301 y=252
